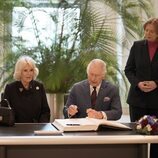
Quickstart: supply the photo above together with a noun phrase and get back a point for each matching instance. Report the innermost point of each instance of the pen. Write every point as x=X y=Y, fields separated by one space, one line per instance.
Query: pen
x=73 y=124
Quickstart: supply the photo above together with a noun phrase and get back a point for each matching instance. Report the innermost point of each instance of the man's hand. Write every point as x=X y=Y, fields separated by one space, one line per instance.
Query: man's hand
x=72 y=110
x=91 y=113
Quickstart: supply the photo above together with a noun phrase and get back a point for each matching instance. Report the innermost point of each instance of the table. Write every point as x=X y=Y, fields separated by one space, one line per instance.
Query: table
x=20 y=141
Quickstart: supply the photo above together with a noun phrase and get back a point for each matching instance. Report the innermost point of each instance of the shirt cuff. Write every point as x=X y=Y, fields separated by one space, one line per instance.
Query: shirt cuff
x=104 y=115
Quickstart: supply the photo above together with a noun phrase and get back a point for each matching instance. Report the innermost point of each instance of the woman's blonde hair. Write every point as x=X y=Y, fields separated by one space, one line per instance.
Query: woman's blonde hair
x=21 y=63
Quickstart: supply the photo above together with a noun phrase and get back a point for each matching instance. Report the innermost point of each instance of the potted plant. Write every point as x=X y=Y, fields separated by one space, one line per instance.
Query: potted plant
x=62 y=57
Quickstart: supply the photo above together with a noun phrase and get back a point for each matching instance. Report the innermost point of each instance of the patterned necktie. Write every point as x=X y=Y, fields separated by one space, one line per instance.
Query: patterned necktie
x=93 y=97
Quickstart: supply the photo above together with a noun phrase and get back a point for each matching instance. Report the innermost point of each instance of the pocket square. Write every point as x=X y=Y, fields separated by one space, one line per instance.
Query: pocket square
x=106 y=99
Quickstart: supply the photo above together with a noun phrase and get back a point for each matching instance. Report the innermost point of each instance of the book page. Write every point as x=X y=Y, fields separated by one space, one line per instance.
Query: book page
x=79 y=124
x=109 y=123
x=86 y=124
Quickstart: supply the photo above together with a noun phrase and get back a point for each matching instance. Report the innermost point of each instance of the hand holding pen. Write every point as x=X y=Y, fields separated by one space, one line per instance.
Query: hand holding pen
x=72 y=110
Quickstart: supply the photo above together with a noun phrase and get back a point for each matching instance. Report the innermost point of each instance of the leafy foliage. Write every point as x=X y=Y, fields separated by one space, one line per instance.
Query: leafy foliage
x=92 y=35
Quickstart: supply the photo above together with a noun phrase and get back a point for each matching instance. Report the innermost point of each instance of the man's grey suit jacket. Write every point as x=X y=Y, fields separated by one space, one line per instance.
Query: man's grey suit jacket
x=108 y=100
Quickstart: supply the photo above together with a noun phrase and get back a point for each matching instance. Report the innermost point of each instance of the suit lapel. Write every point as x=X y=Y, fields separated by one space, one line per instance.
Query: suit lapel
x=87 y=92
x=145 y=53
x=102 y=92
x=155 y=57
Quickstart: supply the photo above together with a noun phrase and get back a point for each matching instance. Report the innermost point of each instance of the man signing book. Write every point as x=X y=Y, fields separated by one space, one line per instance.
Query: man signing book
x=94 y=97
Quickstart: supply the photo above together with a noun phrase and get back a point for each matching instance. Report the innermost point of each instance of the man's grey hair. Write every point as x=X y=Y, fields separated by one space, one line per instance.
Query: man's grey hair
x=97 y=61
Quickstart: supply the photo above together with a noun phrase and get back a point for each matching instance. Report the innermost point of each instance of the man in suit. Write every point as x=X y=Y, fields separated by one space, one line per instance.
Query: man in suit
x=103 y=103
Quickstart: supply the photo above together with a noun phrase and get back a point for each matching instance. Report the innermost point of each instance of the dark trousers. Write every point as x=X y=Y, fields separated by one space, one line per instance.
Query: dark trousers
x=135 y=114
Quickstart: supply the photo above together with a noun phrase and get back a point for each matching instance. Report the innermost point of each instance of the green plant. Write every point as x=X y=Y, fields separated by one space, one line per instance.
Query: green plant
x=91 y=35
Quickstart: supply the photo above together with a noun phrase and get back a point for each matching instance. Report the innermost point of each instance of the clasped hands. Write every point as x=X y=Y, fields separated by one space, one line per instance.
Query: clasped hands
x=147 y=86
x=91 y=113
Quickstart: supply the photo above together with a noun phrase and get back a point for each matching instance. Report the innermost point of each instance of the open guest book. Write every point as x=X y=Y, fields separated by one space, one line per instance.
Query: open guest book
x=86 y=124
